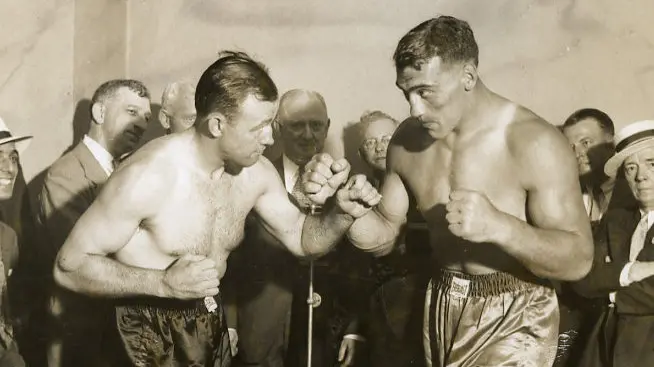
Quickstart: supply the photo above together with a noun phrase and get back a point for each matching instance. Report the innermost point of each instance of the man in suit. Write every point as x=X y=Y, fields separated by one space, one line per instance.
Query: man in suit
x=394 y=320
x=10 y=148
x=590 y=133
x=120 y=110
x=623 y=264
x=177 y=107
x=266 y=275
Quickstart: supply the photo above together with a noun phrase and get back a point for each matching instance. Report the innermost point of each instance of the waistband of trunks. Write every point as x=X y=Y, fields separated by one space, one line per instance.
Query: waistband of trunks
x=484 y=285
x=193 y=306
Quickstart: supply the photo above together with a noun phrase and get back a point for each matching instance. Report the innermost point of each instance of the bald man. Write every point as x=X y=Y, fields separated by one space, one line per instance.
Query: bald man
x=177 y=107
x=264 y=274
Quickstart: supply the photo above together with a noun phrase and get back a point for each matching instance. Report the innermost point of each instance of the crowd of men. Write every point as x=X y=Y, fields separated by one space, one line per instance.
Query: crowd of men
x=482 y=234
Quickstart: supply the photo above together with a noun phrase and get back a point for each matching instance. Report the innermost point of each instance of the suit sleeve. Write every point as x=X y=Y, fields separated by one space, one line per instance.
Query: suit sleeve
x=356 y=289
x=62 y=202
x=604 y=277
x=636 y=299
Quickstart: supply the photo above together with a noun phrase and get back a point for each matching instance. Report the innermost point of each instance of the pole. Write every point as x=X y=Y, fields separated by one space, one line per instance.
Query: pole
x=313 y=301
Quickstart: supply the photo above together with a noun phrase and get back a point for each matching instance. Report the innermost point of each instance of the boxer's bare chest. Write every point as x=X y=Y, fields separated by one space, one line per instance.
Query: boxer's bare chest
x=203 y=217
x=481 y=162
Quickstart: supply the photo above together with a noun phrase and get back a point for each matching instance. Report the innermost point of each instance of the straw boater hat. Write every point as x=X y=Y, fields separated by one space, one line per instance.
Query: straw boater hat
x=5 y=137
x=631 y=139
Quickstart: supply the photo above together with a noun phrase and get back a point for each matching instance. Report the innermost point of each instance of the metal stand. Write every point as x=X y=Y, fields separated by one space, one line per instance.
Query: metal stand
x=313 y=300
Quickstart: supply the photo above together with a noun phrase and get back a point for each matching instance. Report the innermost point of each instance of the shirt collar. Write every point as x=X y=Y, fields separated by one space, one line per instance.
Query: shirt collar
x=104 y=158
x=650 y=217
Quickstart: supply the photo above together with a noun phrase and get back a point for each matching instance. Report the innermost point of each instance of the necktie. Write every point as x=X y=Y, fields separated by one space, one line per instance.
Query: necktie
x=638 y=238
x=297 y=192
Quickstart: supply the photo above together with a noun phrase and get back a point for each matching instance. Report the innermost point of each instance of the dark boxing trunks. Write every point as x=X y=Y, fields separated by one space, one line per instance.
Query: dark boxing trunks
x=167 y=332
x=489 y=320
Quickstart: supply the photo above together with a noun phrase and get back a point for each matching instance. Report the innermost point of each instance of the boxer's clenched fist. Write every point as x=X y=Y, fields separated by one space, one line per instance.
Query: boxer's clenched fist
x=358 y=196
x=323 y=176
x=191 y=277
x=472 y=216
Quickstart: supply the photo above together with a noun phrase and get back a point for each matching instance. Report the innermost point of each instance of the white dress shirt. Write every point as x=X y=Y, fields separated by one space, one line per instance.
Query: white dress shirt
x=104 y=158
x=291 y=171
x=624 y=274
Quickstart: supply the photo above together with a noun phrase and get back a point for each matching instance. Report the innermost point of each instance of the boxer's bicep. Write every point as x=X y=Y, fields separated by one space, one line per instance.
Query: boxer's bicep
x=394 y=204
x=278 y=214
x=378 y=229
x=554 y=198
x=129 y=197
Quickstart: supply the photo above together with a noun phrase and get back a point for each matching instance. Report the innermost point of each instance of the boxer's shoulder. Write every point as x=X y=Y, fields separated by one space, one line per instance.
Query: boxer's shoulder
x=528 y=132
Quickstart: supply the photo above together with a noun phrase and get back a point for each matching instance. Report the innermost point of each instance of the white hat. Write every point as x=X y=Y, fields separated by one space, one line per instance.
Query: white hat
x=631 y=139
x=5 y=137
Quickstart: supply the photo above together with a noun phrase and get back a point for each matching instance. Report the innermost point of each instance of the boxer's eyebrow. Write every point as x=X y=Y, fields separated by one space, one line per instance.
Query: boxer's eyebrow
x=262 y=124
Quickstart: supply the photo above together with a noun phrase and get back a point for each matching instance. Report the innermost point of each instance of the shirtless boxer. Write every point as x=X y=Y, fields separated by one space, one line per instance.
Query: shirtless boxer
x=159 y=234
x=499 y=190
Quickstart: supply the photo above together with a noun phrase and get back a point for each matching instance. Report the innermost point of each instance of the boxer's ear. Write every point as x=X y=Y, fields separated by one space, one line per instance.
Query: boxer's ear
x=97 y=112
x=164 y=119
x=216 y=124
x=470 y=76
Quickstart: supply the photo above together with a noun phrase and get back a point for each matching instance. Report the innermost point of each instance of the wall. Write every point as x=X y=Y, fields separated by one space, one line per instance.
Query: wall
x=36 y=75
x=553 y=56
x=53 y=54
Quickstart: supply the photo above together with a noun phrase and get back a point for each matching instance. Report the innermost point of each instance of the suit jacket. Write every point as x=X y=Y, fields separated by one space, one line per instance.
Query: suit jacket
x=258 y=293
x=634 y=305
x=9 y=355
x=81 y=323
x=70 y=186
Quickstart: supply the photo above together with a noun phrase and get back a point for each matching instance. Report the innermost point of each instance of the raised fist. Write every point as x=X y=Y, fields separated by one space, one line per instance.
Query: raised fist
x=358 y=196
x=323 y=176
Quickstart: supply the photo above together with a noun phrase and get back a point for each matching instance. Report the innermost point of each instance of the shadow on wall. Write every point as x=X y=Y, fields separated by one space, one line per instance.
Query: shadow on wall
x=351 y=142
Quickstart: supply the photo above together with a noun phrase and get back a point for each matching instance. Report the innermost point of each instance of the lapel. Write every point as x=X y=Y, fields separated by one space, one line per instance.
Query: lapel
x=92 y=169
x=621 y=224
x=647 y=253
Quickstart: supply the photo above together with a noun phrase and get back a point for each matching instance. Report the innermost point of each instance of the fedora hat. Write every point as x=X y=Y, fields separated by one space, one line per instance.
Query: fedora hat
x=5 y=137
x=629 y=140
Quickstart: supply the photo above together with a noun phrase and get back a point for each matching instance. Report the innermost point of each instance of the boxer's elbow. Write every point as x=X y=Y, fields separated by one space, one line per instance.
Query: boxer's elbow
x=64 y=273
x=374 y=233
x=579 y=259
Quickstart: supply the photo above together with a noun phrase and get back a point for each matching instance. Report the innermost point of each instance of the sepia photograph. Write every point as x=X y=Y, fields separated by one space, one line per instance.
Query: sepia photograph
x=291 y=183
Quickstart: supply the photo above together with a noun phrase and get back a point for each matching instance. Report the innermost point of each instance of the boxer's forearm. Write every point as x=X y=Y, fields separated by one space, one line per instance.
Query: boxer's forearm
x=548 y=253
x=321 y=233
x=100 y=276
x=373 y=233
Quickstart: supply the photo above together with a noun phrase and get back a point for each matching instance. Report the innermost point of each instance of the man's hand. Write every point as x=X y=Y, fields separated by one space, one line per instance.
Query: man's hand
x=347 y=352
x=323 y=176
x=233 y=341
x=191 y=277
x=473 y=217
x=357 y=197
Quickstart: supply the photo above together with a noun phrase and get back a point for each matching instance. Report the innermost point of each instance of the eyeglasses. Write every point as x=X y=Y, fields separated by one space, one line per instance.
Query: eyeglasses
x=375 y=142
